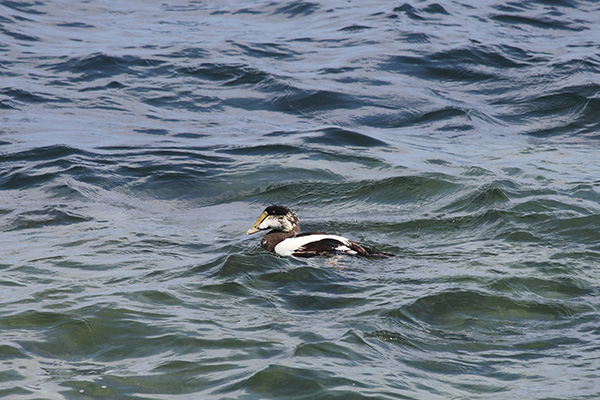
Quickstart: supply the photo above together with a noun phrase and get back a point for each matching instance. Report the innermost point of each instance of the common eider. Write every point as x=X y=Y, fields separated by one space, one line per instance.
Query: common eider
x=285 y=238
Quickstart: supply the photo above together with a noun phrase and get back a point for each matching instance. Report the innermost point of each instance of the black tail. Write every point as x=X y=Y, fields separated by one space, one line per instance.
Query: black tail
x=367 y=251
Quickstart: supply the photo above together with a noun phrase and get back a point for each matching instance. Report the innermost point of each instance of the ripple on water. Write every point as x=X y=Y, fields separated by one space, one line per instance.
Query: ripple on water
x=460 y=137
x=100 y=66
x=453 y=310
x=285 y=382
x=227 y=74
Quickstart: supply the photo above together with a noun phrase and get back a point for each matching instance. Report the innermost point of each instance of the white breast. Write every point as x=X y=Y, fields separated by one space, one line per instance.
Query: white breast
x=287 y=247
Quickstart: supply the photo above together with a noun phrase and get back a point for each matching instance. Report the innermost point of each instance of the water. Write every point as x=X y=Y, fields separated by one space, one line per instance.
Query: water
x=140 y=140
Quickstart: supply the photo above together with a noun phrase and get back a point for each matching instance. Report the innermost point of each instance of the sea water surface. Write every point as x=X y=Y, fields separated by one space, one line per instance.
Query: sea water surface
x=140 y=140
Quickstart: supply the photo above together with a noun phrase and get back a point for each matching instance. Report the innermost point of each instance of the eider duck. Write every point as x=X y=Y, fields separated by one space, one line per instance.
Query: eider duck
x=285 y=238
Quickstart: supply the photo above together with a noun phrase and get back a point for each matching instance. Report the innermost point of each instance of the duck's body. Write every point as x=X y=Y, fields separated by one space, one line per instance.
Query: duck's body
x=285 y=238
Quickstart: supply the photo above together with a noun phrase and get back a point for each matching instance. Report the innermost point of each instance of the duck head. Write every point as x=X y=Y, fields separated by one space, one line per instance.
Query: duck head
x=277 y=218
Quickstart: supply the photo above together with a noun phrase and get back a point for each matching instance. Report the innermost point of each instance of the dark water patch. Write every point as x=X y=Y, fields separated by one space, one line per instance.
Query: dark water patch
x=23 y=96
x=134 y=387
x=587 y=191
x=11 y=352
x=47 y=217
x=226 y=74
x=264 y=150
x=235 y=265
x=327 y=349
x=466 y=64
x=344 y=137
x=70 y=339
x=314 y=303
x=31 y=320
x=16 y=391
x=579 y=65
x=456 y=128
x=242 y=11
x=448 y=365
x=184 y=344
x=538 y=22
x=23 y=180
x=400 y=339
x=416 y=38
x=193 y=53
x=102 y=66
x=459 y=309
x=109 y=86
x=439 y=162
x=559 y=288
x=478 y=171
x=561 y=3
x=588 y=257
x=557 y=268
x=153 y=131
x=42 y=153
x=408 y=10
x=305 y=278
x=581 y=229
x=309 y=288
x=293 y=100
x=439 y=115
x=480 y=55
x=284 y=382
x=355 y=28
x=512 y=7
x=76 y=25
x=395 y=190
x=520 y=236
x=436 y=8
x=165 y=169
x=332 y=153
x=334 y=71
x=190 y=135
x=419 y=14
x=229 y=288
x=450 y=229
x=311 y=101
x=20 y=36
x=518 y=57
x=540 y=206
x=403 y=189
x=39 y=166
x=156 y=297
x=177 y=377
x=144 y=154
x=265 y=50
x=405 y=64
x=23 y=6
x=6 y=104
x=564 y=101
x=189 y=368
x=572 y=111
x=166 y=182
x=298 y=9
x=169 y=378
x=545 y=218
x=58 y=293
x=488 y=195
x=439 y=68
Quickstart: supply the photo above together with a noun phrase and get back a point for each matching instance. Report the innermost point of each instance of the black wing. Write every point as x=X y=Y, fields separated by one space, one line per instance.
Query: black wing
x=330 y=246
x=323 y=247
